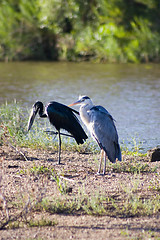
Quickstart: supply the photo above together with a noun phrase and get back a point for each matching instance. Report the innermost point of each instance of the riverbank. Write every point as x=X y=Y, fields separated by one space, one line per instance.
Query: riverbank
x=44 y=200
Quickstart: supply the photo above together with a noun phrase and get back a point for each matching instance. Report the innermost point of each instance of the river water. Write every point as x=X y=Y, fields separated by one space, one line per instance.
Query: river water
x=130 y=92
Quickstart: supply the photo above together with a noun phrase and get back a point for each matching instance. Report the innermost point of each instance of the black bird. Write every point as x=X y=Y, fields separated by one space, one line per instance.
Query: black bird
x=61 y=117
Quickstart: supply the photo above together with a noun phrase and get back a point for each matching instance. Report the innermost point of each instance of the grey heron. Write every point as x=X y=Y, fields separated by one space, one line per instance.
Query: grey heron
x=101 y=126
x=61 y=117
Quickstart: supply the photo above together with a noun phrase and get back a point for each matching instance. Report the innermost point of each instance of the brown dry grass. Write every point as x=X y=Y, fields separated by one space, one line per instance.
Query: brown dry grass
x=23 y=185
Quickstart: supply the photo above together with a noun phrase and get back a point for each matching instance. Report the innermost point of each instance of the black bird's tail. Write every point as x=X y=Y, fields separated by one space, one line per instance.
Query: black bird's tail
x=75 y=127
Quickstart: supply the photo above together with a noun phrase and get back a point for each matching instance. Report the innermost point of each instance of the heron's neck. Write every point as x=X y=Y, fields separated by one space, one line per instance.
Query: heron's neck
x=84 y=114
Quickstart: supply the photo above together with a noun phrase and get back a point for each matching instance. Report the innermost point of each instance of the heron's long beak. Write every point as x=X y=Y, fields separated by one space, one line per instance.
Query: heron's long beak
x=31 y=119
x=75 y=103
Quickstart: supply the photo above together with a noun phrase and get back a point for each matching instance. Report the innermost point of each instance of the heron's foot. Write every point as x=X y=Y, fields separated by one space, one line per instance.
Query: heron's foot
x=99 y=174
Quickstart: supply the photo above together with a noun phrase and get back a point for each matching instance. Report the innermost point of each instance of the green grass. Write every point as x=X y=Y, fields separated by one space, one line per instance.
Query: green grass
x=131 y=166
x=82 y=203
x=40 y=170
x=40 y=223
x=144 y=234
x=155 y=183
x=134 y=202
x=135 y=206
x=13 y=130
x=31 y=223
x=129 y=202
x=134 y=149
x=128 y=165
x=124 y=205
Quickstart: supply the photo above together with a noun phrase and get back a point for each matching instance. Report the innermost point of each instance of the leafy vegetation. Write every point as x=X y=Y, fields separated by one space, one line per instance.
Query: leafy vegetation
x=74 y=30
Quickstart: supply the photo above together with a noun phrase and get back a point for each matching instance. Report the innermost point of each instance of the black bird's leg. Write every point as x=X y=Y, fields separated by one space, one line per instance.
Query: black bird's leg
x=64 y=134
x=59 y=154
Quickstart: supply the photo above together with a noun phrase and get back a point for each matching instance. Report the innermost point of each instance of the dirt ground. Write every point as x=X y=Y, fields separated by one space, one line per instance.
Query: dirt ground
x=18 y=183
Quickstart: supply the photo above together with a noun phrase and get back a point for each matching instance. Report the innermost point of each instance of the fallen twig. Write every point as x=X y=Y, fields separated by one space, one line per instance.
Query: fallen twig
x=24 y=211
x=67 y=179
x=13 y=219
x=19 y=151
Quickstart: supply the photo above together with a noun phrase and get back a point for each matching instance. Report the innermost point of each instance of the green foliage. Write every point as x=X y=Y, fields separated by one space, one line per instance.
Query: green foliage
x=134 y=149
x=133 y=204
x=20 y=32
x=149 y=41
x=114 y=31
x=31 y=223
x=13 y=130
x=41 y=223
x=128 y=204
x=61 y=185
x=40 y=170
x=12 y=122
x=132 y=167
x=108 y=43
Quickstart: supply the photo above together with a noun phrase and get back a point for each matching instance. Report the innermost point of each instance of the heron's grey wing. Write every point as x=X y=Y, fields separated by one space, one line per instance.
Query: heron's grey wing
x=103 y=110
x=103 y=130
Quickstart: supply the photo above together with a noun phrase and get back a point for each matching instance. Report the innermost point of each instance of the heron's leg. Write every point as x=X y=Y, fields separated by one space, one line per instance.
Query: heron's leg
x=59 y=153
x=104 y=169
x=100 y=163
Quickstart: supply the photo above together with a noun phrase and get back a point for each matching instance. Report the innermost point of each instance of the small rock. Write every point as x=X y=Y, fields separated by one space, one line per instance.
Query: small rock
x=69 y=190
x=154 y=154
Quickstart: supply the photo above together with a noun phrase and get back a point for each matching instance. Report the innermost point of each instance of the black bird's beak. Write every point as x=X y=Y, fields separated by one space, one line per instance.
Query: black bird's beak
x=31 y=119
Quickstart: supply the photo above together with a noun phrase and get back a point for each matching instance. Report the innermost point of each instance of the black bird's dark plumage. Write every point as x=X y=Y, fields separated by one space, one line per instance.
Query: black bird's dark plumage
x=61 y=117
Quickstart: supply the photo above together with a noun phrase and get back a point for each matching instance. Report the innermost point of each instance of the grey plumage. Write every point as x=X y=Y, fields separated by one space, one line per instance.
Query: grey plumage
x=102 y=128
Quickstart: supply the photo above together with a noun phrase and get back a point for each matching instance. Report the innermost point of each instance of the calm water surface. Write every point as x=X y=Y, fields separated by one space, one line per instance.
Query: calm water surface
x=130 y=92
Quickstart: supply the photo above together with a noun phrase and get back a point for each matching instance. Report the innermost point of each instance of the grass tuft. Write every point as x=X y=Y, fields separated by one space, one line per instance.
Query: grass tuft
x=132 y=167
x=155 y=183
x=40 y=223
